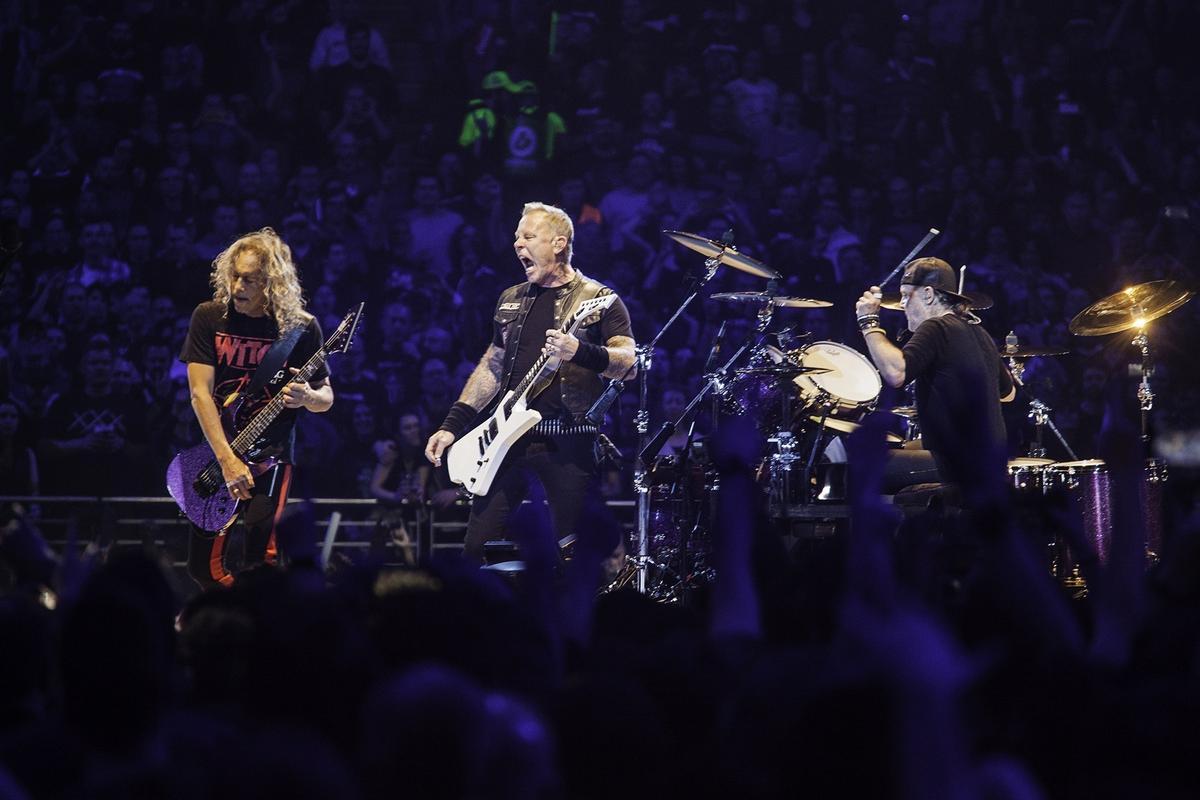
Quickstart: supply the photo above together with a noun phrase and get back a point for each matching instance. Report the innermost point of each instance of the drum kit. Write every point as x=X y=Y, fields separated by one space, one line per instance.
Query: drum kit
x=802 y=394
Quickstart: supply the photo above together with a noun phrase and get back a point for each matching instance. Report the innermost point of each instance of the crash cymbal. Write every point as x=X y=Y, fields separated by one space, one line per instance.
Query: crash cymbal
x=1032 y=352
x=726 y=254
x=978 y=301
x=776 y=300
x=846 y=426
x=1130 y=308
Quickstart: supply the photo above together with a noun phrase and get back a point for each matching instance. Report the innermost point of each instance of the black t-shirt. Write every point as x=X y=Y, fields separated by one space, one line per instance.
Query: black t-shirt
x=613 y=322
x=233 y=344
x=960 y=380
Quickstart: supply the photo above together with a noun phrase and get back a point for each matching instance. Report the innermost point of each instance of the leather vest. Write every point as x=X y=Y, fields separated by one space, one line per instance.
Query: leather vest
x=580 y=387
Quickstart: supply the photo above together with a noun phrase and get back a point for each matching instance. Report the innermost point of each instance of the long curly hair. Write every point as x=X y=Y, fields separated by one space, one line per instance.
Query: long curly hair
x=285 y=300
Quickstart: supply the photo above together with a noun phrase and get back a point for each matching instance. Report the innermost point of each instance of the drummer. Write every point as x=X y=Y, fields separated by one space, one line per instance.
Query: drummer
x=960 y=378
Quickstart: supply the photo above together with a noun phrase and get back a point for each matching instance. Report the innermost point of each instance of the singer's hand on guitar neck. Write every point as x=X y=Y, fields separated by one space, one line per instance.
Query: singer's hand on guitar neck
x=561 y=345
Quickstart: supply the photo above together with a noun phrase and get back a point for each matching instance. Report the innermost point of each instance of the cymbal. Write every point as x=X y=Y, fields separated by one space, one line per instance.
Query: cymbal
x=1032 y=352
x=908 y=412
x=846 y=426
x=776 y=300
x=978 y=301
x=726 y=254
x=782 y=370
x=1130 y=308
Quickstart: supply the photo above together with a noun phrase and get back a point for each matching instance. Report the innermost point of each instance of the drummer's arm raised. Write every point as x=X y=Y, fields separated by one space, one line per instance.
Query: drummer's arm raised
x=888 y=358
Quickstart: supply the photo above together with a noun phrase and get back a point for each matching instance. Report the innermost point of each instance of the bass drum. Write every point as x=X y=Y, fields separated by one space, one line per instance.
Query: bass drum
x=843 y=394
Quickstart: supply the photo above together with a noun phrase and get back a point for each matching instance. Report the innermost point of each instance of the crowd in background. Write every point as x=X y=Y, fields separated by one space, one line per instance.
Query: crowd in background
x=1055 y=146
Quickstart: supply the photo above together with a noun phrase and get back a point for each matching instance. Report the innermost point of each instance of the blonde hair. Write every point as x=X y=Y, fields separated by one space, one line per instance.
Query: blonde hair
x=285 y=301
x=559 y=222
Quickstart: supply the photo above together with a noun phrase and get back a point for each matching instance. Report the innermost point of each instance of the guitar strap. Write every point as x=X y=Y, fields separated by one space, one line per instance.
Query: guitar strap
x=270 y=370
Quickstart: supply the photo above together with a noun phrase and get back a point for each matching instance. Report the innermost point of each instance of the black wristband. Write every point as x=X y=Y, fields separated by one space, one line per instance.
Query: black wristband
x=457 y=419
x=591 y=356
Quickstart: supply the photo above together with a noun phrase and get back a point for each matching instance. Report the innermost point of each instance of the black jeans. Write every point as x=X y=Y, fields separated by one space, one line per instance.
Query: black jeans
x=564 y=465
x=208 y=554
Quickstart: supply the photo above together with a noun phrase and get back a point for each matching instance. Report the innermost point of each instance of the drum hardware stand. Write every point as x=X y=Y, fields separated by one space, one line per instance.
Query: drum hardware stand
x=1144 y=395
x=816 y=446
x=1039 y=412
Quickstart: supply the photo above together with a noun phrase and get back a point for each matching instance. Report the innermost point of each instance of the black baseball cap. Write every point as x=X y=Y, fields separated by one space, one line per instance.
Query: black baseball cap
x=936 y=273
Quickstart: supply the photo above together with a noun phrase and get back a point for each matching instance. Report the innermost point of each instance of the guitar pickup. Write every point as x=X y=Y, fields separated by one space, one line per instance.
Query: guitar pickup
x=483 y=444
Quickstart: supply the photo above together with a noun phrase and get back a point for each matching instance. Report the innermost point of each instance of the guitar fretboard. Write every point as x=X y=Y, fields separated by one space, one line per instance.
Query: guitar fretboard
x=249 y=435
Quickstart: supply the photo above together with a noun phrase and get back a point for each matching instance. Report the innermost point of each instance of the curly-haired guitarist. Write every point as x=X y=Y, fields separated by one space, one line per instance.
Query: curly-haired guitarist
x=256 y=300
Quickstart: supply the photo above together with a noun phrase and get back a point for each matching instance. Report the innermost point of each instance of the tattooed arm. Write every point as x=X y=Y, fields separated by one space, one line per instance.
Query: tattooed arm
x=485 y=380
x=481 y=387
x=620 y=357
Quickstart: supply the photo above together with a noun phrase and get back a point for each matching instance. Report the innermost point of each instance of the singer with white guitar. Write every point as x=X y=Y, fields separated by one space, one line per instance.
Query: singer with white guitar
x=555 y=338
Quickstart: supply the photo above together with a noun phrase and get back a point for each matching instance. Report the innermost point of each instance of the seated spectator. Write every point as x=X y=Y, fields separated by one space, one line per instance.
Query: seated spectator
x=93 y=438
x=18 y=462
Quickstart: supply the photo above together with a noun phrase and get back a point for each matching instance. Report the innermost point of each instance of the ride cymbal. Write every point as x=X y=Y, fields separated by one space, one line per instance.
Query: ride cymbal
x=1130 y=308
x=776 y=300
x=725 y=254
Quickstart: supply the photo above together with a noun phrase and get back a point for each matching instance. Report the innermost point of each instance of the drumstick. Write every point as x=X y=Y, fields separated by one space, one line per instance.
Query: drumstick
x=962 y=277
x=920 y=246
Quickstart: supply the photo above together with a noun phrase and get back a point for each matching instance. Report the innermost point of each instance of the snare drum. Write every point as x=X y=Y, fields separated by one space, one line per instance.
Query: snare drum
x=848 y=391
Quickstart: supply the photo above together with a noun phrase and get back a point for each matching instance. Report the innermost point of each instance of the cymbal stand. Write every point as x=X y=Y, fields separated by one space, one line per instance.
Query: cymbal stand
x=1039 y=412
x=1144 y=394
x=643 y=362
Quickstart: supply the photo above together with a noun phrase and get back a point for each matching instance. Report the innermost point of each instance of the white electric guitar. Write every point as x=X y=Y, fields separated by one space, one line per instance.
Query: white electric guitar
x=474 y=460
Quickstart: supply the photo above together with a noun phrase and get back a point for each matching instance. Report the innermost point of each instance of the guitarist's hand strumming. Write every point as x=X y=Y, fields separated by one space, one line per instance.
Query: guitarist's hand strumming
x=238 y=479
x=437 y=445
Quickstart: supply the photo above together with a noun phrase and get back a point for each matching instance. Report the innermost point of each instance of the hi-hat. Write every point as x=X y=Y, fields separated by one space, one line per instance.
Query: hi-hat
x=1130 y=308
x=785 y=370
x=725 y=254
x=977 y=301
x=1032 y=352
x=777 y=300
x=908 y=412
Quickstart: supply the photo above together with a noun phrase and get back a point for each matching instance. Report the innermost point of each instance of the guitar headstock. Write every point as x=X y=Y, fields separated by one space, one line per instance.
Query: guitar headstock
x=341 y=339
x=592 y=306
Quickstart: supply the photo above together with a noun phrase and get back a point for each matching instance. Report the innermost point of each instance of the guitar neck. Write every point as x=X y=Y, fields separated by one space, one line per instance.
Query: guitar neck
x=540 y=366
x=255 y=428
